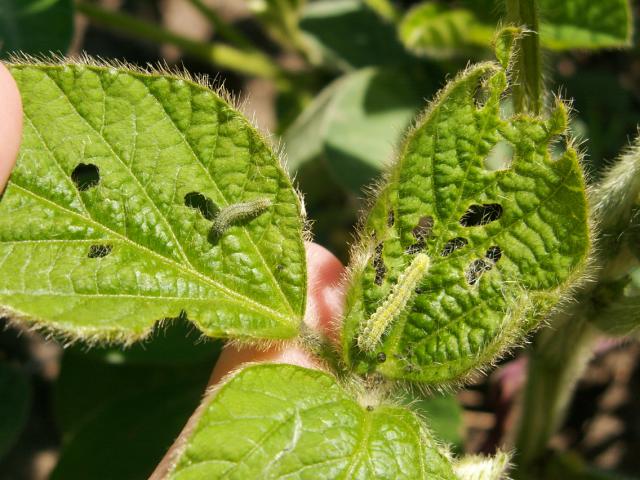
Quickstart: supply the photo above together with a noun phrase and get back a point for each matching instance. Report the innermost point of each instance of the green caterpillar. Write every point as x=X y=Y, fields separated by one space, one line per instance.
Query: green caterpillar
x=394 y=304
x=237 y=212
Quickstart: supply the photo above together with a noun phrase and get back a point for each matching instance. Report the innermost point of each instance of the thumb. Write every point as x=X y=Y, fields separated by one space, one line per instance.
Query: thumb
x=10 y=124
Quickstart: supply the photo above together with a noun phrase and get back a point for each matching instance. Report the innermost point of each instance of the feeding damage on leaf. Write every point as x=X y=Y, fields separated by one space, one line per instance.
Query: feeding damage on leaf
x=106 y=223
x=504 y=242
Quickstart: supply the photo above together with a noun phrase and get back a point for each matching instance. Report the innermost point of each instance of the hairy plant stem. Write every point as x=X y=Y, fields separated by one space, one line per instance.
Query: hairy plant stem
x=557 y=360
x=528 y=86
x=249 y=62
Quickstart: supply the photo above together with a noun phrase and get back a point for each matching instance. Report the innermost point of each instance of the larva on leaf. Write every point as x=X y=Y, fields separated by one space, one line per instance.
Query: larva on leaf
x=238 y=212
x=395 y=303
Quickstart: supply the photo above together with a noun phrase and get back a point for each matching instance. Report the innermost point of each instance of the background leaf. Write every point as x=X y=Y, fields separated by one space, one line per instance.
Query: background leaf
x=444 y=414
x=351 y=35
x=356 y=123
x=434 y=30
x=106 y=224
x=35 y=26
x=284 y=421
x=15 y=401
x=564 y=25
x=585 y=24
x=621 y=317
x=173 y=343
x=119 y=419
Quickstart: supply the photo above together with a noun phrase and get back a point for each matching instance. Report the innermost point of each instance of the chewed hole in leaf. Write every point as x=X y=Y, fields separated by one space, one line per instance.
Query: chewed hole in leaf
x=421 y=232
x=500 y=157
x=99 y=251
x=379 y=266
x=453 y=245
x=476 y=269
x=202 y=203
x=558 y=146
x=494 y=253
x=381 y=357
x=481 y=95
x=85 y=176
x=416 y=247
x=477 y=215
x=424 y=228
x=391 y=218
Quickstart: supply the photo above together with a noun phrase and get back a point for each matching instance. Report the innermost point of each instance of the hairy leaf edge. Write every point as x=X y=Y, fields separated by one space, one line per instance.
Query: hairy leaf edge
x=95 y=337
x=565 y=293
x=353 y=387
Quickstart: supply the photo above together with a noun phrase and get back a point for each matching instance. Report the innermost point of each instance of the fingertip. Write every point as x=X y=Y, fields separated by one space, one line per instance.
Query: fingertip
x=325 y=302
x=10 y=124
x=235 y=356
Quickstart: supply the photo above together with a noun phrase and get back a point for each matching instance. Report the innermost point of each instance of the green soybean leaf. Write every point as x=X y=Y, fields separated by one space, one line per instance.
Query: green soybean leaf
x=355 y=123
x=107 y=223
x=284 y=421
x=434 y=30
x=35 y=26
x=478 y=230
x=117 y=420
x=585 y=24
x=15 y=401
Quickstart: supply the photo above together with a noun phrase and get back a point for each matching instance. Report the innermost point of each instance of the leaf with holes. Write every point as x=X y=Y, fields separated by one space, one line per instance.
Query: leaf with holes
x=284 y=421
x=502 y=219
x=139 y=197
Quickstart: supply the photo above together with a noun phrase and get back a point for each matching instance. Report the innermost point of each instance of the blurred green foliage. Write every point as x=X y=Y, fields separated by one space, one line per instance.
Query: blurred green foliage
x=366 y=69
x=35 y=26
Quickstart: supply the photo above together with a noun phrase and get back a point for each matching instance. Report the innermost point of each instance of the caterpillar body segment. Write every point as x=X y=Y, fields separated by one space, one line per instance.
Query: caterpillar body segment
x=395 y=303
x=238 y=212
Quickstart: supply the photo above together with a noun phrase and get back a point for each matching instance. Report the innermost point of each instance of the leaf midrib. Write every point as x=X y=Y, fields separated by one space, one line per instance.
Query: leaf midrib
x=233 y=295
x=396 y=338
x=168 y=225
x=363 y=439
x=215 y=184
x=274 y=283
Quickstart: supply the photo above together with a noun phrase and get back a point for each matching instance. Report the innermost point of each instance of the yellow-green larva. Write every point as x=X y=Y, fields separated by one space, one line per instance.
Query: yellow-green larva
x=236 y=212
x=373 y=329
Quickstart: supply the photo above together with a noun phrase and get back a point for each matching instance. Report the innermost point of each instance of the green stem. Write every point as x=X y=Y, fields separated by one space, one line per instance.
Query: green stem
x=221 y=27
x=246 y=62
x=557 y=360
x=528 y=88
